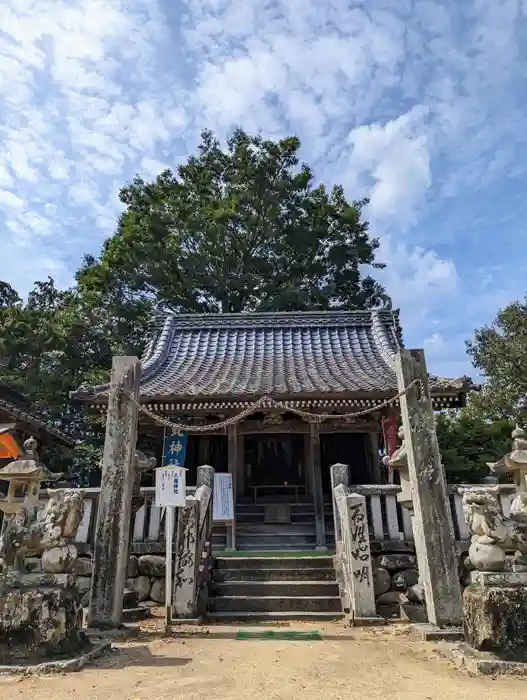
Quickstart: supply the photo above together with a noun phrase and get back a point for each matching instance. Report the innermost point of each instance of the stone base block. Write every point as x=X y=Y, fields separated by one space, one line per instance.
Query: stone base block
x=411 y=612
x=367 y=621
x=483 y=662
x=490 y=579
x=430 y=633
x=141 y=612
x=97 y=648
x=495 y=618
x=38 y=624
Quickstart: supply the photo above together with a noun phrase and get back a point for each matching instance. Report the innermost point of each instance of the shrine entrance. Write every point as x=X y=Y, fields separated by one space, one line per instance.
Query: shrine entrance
x=346 y=448
x=275 y=466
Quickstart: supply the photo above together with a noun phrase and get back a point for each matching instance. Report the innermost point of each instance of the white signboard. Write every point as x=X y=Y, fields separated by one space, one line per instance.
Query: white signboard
x=223 y=503
x=171 y=486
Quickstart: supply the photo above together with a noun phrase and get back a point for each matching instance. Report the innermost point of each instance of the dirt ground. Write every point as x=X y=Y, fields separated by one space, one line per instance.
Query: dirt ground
x=210 y=664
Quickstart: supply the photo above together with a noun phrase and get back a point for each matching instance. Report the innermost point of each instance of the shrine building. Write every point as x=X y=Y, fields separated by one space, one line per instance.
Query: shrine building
x=202 y=369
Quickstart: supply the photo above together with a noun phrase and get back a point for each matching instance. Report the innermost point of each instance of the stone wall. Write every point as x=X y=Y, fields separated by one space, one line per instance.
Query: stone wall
x=396 y=582
x=398 y=592
x=145 y=575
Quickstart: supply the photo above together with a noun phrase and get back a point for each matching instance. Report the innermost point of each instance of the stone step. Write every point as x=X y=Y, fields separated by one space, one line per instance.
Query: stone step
x=285 y=529
x=312 y=574
x=226 y=563
x=288 y=499
x=141 y=612
x=251 y=517
x=274 y=539
x=308 y=508
x=269 y=549
x=282 y=589
x=235 y=604
x=130 y=598
x=291 y=615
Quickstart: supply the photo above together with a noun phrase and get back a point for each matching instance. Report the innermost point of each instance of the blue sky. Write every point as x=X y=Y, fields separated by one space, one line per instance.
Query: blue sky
x=420 y=105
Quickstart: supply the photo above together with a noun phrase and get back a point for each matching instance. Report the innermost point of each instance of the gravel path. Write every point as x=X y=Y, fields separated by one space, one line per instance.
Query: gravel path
x=209 y=665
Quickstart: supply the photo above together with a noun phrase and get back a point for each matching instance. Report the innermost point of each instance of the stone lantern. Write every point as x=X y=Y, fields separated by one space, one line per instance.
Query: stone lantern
x=515 y=463
x=24 y=475
x=495 y=603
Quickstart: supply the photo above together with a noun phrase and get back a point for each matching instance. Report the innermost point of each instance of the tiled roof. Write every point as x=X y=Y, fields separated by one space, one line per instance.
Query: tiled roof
x=283 y=354
x=19 y=409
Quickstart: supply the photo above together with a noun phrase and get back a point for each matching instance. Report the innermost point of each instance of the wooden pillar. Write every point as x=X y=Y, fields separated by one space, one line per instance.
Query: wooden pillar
x=372 y=448
x=313 y=466
x=232 y=444
x=240 y=464
x=203 y=450
x=435 y=551
x=112 y=530
x=308 y=472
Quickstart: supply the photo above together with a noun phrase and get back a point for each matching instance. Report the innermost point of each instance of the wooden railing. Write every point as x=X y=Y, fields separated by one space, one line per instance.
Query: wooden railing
x=387 y=520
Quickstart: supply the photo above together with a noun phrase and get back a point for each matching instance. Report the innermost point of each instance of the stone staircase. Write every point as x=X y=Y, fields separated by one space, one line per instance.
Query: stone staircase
x=253 y=534
x=257 y=588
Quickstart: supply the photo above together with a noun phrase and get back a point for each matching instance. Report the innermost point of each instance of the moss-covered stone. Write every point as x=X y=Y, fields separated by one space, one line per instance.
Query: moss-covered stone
x=38 y=624
x=495 y=618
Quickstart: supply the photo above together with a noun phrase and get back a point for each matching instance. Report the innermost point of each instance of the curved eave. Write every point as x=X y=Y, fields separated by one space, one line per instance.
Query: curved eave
x=31 y=424
x=178 y=404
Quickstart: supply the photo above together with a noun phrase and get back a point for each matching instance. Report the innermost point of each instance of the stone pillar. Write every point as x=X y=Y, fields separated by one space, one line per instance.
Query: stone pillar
x=205 y=476
x=435 y=550
x=340 y=474
x=313 y=465
x=232 y=437
x=185 y=565
x=112 y=530
x=355 y=564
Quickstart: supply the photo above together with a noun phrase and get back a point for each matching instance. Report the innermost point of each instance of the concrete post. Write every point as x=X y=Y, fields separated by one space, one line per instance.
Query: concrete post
x=434 y=540
x=112 y=530
x=340 y=474
x=185 y=568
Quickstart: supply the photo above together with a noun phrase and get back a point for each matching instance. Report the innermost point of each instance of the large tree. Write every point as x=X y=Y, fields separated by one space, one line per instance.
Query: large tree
x=500 y=352
x=467 y=443
x=57 y=340
x=238 y=229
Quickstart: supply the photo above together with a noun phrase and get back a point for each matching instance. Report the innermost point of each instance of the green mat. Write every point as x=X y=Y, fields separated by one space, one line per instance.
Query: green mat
x=285 y=635
x=280 y=555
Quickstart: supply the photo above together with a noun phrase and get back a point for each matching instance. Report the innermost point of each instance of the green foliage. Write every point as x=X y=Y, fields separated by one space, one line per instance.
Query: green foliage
x=500 y=352
x=56 y=341
x=240 y=229
x=467 y=443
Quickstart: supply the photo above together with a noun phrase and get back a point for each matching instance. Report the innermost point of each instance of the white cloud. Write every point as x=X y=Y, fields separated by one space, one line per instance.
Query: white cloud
x=411 y=103
x=11 y=201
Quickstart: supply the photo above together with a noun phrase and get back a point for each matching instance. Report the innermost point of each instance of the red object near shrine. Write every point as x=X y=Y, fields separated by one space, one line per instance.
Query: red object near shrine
x=389 y=431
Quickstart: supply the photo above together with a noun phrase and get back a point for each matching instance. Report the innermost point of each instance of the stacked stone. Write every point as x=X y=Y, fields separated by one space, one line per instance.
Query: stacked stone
x=145 y=574
x=397 y=588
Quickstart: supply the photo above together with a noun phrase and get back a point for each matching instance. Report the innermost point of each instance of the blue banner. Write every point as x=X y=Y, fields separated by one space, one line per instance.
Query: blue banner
x=175 y=450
